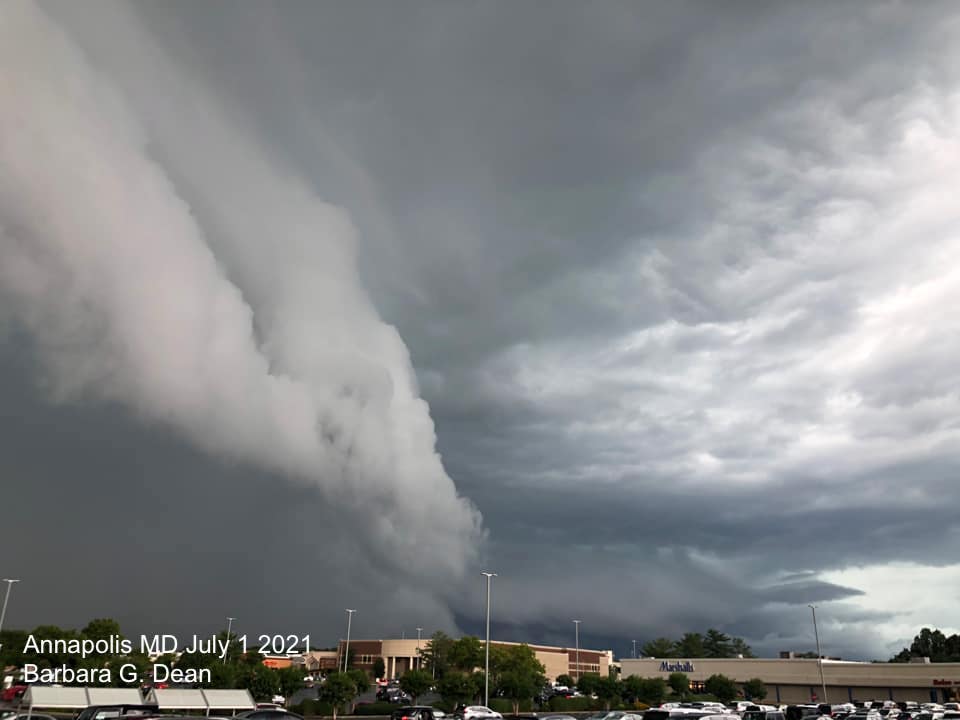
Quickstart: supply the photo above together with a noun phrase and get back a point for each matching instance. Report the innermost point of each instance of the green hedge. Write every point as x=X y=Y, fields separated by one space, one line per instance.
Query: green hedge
x=312 y=707
x=502 y=705
x=576 y=704
x=376 y=708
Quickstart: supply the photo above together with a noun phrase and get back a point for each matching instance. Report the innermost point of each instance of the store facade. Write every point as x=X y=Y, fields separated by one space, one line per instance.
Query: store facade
x=799 y=681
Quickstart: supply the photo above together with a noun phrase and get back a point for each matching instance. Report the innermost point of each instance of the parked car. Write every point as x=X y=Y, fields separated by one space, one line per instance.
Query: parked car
x=103 y=712
x=765 y=715
x=609 y=715
x=417 y=712
x=269 y=714
x=676 y=713
x=14 y=692
x=477 y=712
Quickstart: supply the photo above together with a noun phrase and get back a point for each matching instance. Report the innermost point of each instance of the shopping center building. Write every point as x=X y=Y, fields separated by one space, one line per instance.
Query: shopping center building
x=799 y=681
x=399 y=656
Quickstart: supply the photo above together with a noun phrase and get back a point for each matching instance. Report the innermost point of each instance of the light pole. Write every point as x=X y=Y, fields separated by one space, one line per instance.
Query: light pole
x=486 y=664
x=346 y=650
x=634 y=649
x=419 y=661
x=229 y=626
x=816 y=634
x=576 y=625
x=6 y=599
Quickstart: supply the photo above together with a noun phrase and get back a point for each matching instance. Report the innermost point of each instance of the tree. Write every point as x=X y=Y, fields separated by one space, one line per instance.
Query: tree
x=691 y=646
x=467 y=653
x=607 y=689
x=225 y=675
x=659 y=648
x=754 y=689
x=478 y=678
x=932 y=644
x=379 y=668
x=436 y=656
x=653 y=691
x=457 y=687
x=519 y=675
x=262 y=682
x=717 y=644
x=679 y=683
x=721 y=687
x=741 y=649
x=587 y=684
x=11 y=647
x=360 y=679
x=565 y=680
x=101 y=629
x=630 y=688
x=289 y=680
x=337 y=690
x=415 y=683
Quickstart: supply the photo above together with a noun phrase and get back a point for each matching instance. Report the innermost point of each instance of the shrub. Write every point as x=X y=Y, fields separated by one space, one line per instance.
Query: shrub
x=312 y=707
x=505 y=706
x=581 y=704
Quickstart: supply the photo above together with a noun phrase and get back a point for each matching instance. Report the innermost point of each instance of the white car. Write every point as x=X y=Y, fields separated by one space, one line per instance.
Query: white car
x=480 y=712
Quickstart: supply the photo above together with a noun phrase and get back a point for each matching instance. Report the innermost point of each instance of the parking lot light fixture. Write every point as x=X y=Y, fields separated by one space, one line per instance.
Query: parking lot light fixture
x=576 y=625
x=346 y=649
x=6 y=599
x=486 y=664
x=229 y=627
x=816 y=635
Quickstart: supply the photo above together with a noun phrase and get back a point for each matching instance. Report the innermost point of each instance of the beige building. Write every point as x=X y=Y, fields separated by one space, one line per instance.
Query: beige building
x=399 y=656
x=798 y=681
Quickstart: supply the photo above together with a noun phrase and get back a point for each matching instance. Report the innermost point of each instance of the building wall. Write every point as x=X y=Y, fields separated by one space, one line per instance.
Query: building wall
x=363 y=652
x=321 y=660
x=795 y=681
x=402 y=655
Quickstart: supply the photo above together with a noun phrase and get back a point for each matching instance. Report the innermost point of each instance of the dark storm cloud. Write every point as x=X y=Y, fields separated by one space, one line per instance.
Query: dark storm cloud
x=673 y=278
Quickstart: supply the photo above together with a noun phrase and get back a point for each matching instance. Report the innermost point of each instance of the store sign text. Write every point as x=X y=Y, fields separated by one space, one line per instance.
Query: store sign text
x=685 y=667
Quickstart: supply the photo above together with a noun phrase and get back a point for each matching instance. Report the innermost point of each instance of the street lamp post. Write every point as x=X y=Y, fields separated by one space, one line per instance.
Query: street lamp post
x=576 y=625
x=229 y=627
x=346 y=650
x=486 y=664
x=816 y=634
x=419 y=660
x=6 y=599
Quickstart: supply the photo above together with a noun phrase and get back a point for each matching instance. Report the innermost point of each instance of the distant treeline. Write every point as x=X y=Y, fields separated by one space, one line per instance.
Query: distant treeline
x=932 y=644
x=711 y=644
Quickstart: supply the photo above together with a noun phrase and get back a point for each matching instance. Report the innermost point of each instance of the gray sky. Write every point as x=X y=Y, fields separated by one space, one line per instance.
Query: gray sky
x=676 y=282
